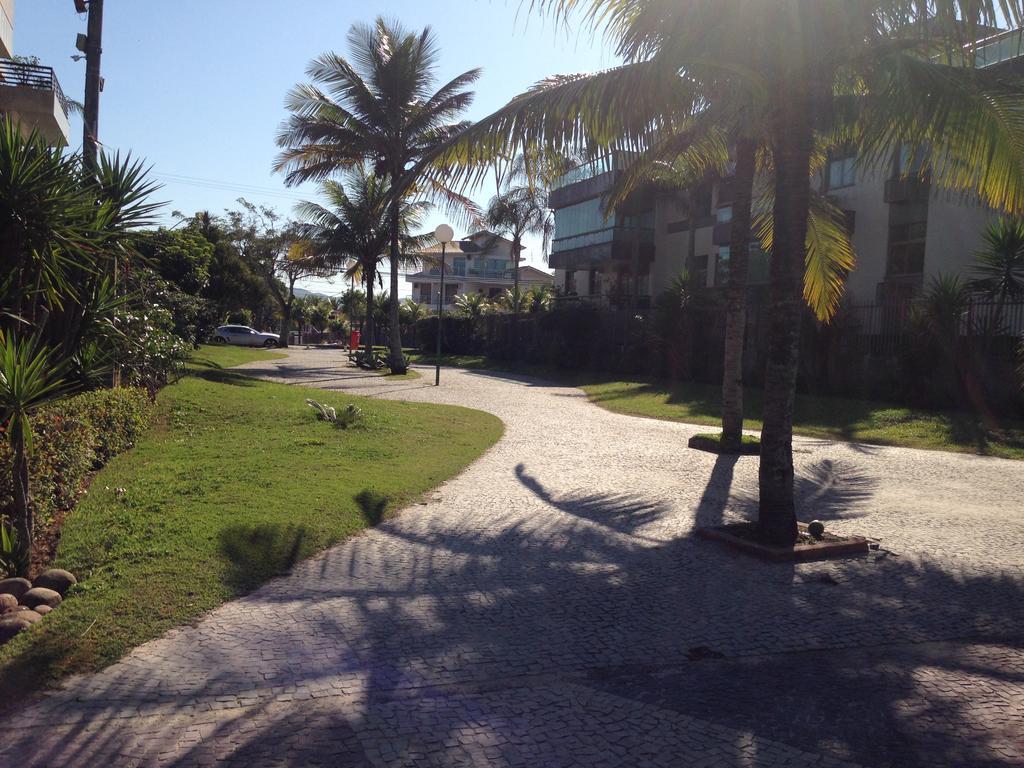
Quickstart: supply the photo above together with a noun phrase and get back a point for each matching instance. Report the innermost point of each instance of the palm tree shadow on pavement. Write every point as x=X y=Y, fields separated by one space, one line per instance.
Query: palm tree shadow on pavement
x=552 y=633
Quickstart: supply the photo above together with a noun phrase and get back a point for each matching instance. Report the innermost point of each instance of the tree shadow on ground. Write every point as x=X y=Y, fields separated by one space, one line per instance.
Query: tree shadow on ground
x=256 y=553
x=220 y=375
x=621 y=512
x=372 y=506
x=827 y=490
x=428 y=630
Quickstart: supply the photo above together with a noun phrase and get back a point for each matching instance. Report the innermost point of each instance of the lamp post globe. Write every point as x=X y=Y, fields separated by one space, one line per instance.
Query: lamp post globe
x=444 y=234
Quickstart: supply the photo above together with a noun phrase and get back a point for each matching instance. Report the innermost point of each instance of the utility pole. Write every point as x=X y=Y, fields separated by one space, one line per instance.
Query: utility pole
x=93 y=51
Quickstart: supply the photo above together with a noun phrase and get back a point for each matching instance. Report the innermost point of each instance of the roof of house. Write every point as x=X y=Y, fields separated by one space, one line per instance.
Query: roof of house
x=476 y=237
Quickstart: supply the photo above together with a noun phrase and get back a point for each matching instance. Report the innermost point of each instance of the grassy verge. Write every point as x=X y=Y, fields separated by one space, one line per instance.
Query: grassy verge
x=215 y=356
x=837 y=418
x=816 y=416
x=234 y=483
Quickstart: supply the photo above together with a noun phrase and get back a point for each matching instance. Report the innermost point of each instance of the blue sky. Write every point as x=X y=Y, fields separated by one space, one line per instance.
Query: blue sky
x=197 y=86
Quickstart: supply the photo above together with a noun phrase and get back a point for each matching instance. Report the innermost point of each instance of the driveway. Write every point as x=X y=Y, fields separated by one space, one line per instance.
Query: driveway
x=550 y=607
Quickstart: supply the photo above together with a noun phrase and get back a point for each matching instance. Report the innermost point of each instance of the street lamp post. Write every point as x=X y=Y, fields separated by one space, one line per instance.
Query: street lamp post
x=444 y=235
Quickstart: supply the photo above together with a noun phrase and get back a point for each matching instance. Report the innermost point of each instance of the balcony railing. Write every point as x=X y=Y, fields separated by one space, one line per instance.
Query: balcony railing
x=19 y=75
x=906 y=190
x=999 y=48
x=486 y=274
x=644 y=235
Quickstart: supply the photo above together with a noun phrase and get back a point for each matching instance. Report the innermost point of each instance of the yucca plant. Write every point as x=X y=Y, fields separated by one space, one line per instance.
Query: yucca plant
x=1000 y=265
x=30 y=377
x=12 y=559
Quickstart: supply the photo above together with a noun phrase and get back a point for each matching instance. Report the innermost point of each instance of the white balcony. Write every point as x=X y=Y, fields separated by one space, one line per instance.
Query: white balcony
x=32 y=96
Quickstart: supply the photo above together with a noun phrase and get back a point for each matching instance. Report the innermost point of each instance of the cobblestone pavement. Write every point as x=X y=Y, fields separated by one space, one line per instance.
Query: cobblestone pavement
x=550 y=607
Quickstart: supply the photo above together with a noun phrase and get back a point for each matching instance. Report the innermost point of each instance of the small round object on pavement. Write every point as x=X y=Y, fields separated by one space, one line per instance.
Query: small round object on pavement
x=816 y=528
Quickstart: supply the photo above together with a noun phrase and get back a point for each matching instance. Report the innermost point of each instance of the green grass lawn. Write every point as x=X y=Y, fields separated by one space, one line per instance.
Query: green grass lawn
x=815 y=416
x=234 y=483
x=225 y=356
x=818 y=416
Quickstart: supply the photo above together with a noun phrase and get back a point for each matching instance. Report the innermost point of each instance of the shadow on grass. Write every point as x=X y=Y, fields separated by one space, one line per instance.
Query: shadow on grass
x=372 y=506
x=219 y=375
x=260 y=552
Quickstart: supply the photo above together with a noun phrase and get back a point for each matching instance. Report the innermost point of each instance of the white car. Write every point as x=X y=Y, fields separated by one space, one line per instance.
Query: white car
x=244 y=336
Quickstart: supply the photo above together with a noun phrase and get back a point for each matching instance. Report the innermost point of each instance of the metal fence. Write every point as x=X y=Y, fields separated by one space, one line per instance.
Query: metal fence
x=883 y=328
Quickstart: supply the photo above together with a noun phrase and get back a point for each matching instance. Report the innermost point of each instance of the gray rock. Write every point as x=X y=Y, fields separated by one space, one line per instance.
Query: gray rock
x=42 y=610
x=41 y=596
x=11 y=625
x=7 y=601
x=15 y=586
x=16 y=609
x=56 y=579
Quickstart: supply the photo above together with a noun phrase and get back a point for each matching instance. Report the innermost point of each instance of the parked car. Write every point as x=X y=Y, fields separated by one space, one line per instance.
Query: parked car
x=244 y=336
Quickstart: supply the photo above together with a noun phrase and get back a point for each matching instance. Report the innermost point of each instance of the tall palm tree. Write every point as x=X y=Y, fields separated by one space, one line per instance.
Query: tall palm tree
x=517 y=212
x=881 y=74
x=379 y=106
x=352 y=232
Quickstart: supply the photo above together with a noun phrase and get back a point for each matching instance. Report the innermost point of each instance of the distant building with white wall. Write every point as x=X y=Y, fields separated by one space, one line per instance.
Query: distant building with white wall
x=483 y=264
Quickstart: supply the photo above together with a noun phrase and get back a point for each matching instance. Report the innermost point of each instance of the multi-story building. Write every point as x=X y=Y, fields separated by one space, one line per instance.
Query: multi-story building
x=596 y=253
x=481 y=263
x=29 y=92
x=904 y=231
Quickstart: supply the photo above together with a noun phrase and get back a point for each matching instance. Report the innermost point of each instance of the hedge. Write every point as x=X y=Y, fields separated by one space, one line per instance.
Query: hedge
x=70 y=439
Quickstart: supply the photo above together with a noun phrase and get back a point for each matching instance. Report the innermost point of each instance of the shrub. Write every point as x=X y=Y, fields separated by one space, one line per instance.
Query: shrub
x=120 y=416
x=343 y=419
x=71 y=438
x=459 y=336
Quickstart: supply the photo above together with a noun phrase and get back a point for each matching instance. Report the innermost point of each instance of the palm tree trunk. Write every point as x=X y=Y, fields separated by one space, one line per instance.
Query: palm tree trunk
x=23 y=523
x=691 y=214
x=515 y=296
x=286 y=325
x=792 y=125
x=396 y=360
x=370 y=330
x=736 y=307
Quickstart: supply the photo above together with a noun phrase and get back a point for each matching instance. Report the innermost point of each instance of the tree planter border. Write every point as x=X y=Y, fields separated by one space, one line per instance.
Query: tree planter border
x=848 y=546
x=712 y=444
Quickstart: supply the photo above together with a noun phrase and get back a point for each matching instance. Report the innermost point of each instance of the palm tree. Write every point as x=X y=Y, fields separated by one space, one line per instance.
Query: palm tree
x=1000 y=267
x=352 y=233
x=379 y=106
x=521 y=208
x=879 y=75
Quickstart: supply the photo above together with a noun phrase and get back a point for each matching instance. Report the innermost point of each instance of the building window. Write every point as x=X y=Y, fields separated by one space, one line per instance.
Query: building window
x=723 y=215
x=722 y=266
x=570 y=282
x=842 y=172
x=910 y=164
x=908 y=228
x=697 y=269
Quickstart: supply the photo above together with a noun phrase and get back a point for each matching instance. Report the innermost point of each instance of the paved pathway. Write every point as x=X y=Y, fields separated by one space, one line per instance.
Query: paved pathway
x=549 y=607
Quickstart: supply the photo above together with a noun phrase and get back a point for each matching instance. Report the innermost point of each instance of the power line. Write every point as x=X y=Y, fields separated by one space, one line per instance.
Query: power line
x=228 y=186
